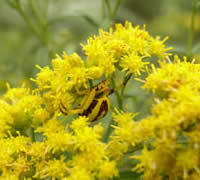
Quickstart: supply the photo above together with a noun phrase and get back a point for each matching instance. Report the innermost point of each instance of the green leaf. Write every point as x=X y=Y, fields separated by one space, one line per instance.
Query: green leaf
x=128 y=175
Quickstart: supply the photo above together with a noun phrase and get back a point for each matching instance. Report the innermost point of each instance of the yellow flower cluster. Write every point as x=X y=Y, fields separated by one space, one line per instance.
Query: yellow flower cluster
x=65 y=153
x=175 y=149
x=127 y=134
x=21 y=109
x=36 y=142
x=14 y=161
x=124 y=47
x=170 y=136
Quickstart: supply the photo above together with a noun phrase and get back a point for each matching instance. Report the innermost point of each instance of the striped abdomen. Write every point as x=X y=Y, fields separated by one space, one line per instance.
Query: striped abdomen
x=97 y=109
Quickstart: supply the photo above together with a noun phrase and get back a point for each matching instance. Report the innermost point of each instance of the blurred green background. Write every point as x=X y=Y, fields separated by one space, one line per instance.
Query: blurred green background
x=63 y=24
x=33 y=31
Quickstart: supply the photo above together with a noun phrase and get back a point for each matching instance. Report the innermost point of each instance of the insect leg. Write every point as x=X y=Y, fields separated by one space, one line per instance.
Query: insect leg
x=62 y=108
x=65 y=111
x=121 y=85
x=87 y=99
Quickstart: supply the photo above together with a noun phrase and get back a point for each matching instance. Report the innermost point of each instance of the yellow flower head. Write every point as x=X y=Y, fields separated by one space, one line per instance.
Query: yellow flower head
x=51 y=149
x=127 y=45
x=108 y=170
x=171 y=76
x=21 y=108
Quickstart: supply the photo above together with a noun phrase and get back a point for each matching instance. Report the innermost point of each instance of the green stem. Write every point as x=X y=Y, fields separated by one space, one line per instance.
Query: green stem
x=27 y=19
x=103 y=9
x=116 y=8
x=36 y=14
x=109 y=9
x=46 y=11
x=90 y=83
x=33 y=134
x=191 y=30
x=119 y=99
x=112 y=13
x=43 y=36
x=122 y=86
x=43 y=25
x=11 y=4
x=108 y=130
x=122 y=91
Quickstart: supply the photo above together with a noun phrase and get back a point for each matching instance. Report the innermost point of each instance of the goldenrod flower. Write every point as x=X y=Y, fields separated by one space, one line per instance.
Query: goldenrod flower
x=20 y=109
x=108 y=170
x=157 y=47
x=37 y=140
x=127 y=45
x=44 y=78
x=13 y=160
x=79 y=173
x=174 y=124
x=123 y=136
x=55 y=168
x=170 y=76
x=132 y=63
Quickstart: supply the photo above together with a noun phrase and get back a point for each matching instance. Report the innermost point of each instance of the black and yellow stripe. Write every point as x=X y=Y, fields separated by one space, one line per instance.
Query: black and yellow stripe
x=95 y=104
x=97 y=109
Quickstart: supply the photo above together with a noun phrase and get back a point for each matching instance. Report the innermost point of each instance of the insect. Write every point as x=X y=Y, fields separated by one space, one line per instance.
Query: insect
x=96 y=103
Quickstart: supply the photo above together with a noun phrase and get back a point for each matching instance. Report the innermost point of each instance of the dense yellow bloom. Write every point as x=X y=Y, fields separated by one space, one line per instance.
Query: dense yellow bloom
x=57 y=138
x=175 y=123
x=55 y=168
x=44 y=77
x=79 y=173
x=170 y=76
x=157 y=47
x=133 y=64
x=5 y=118
x=13 y=160
x=108 y=170
x=79 y=123
x=188 y=160
x=38 y=142
x=21 y=109
x=86 y=139
x=68 y=76
x=127 y=133
x=147 y=164
x=125 y=48
x=9 y=177
x=127 y=45
x=89 y=155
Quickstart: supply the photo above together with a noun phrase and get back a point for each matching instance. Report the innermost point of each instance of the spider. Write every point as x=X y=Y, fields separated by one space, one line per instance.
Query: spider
x=96 y=103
